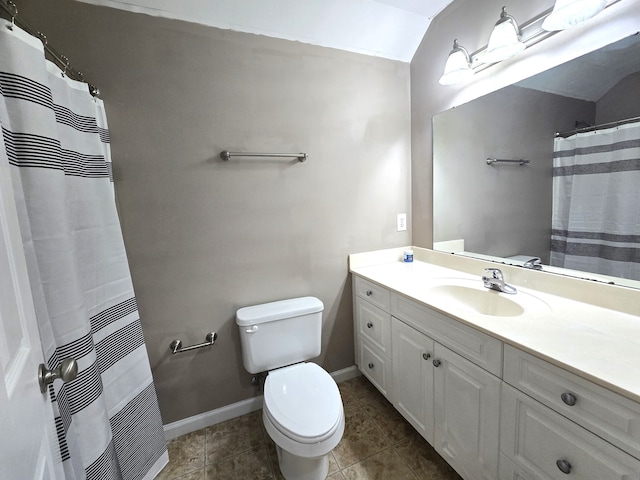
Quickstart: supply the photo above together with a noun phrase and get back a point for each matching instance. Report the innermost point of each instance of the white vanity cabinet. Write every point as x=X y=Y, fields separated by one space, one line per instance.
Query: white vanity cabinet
x=436 y=372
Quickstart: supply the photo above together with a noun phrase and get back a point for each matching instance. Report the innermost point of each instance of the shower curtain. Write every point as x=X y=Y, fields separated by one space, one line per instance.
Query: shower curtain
x=55 y=137
x=596 y=202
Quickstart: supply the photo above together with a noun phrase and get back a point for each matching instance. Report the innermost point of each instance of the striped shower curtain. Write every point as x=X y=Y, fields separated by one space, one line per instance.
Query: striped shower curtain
x=56 y=140
x=596 y=202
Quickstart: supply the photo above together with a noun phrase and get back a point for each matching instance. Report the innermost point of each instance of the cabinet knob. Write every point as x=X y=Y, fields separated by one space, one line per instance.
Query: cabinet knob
x=437 y=363
x=369 y=325
x=426 y=356
x=370 y=365
x=564 y=466
x=569 y=398
x=369 y=293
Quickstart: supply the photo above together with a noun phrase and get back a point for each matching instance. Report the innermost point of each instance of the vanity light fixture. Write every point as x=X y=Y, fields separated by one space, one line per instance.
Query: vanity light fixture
x=568 y=13
x=458 y=66
x=504 y=41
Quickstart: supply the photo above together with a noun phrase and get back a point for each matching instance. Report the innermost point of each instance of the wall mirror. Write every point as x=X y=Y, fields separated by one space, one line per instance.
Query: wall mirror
x=506 y=210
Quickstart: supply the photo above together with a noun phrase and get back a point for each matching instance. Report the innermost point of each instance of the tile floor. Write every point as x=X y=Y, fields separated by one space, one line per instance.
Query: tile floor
x=377 y=444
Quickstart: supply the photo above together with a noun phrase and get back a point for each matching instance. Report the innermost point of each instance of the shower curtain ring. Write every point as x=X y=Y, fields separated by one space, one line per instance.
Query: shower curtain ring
x=43 y=39
x=13 y=11
x=66 y=64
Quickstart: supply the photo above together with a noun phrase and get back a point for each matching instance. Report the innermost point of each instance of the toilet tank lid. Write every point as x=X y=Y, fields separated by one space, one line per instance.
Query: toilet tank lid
x=269 y=312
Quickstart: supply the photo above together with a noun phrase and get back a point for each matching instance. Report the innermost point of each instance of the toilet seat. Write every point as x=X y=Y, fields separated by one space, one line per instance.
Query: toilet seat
x=303 y=402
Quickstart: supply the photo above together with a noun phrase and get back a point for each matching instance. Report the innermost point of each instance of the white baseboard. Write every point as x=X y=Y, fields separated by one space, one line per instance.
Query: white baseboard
x=219 y=415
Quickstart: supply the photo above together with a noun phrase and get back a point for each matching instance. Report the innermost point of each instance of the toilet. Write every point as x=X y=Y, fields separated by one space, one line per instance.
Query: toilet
x=302 y=411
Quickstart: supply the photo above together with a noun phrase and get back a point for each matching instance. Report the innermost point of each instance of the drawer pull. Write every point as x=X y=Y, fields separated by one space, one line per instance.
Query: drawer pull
x=369 y=325
x=368 y=293
x=564 y=466
x=569 y=398
x=426 y=356
x=437 y=363
x=371 y=366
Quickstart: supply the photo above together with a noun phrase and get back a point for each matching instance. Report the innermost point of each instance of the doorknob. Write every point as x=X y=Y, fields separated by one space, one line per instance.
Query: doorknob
x=67 y=371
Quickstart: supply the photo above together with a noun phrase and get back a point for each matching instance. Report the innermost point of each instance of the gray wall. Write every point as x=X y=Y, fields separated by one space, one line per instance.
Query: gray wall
x=502 y=209
x=206 y=237
x=621 y=102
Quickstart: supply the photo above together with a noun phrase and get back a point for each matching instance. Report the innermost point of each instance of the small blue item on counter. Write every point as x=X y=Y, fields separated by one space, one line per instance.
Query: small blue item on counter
x=408 y=256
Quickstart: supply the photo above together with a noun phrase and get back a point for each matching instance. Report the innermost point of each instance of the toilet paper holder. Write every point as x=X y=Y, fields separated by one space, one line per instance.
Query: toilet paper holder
x=176 y=345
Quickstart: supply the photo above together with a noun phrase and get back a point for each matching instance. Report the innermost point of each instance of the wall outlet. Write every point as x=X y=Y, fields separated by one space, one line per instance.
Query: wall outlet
x=401 y=222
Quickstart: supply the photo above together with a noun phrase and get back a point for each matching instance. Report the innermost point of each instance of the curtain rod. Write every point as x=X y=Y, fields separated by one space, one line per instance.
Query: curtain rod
x=597 y=127
x=11 y=10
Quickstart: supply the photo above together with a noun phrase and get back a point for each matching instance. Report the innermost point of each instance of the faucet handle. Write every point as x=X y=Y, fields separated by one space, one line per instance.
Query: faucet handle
x=495 y=273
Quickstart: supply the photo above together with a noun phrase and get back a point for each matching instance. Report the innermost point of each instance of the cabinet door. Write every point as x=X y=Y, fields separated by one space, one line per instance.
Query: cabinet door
x=412 y=354
x=467 y=412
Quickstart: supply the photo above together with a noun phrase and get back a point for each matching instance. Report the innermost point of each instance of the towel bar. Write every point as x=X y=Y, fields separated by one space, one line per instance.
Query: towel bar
x=520 y=161
x=226 y=155
x=176 y=345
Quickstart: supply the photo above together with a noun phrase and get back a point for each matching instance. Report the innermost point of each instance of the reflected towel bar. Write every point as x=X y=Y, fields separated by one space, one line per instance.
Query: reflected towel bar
x=226 y=155
x=491 y=161
x=176 y=345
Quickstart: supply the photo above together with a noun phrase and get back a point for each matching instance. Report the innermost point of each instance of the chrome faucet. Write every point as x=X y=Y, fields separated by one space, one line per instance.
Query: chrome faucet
x=533 y=263
x=494 y=280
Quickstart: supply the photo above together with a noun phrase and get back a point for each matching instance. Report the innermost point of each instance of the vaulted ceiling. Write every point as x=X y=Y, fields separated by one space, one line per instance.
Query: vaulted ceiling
x=385 y=28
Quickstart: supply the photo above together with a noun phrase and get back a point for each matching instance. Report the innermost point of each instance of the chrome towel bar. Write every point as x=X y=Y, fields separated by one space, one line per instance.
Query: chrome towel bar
x=176 y=345
x=520 y=161
x=226 y=155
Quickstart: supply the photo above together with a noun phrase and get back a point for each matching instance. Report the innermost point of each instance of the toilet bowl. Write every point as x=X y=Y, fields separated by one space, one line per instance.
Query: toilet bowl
x=303 y=415
x=302 y=411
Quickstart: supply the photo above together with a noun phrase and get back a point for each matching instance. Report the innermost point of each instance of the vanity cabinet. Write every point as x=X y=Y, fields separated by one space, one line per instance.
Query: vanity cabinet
x=434 y=372
x=491 y=410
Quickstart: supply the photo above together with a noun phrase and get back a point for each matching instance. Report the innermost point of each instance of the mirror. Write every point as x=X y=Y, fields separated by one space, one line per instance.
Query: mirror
x=502 y=211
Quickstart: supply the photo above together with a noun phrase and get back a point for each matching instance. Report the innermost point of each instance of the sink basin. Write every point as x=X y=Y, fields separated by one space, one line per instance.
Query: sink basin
x=473 y=296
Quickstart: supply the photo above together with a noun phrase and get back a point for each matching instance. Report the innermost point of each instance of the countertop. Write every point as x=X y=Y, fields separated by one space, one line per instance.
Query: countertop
x=599 y=344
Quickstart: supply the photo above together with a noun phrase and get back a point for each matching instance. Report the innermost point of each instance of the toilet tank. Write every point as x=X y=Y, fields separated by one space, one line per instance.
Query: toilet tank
x=280 y=333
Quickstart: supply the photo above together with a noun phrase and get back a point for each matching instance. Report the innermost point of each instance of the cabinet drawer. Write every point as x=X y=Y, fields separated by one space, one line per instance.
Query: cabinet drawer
x=545 y=445
x=374 y=325
x=482 y=349
x=607 y=414
x=372 y=293
x=375 y=366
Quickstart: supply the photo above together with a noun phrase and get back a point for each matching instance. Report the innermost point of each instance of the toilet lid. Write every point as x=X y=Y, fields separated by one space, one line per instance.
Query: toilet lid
x=303 y=402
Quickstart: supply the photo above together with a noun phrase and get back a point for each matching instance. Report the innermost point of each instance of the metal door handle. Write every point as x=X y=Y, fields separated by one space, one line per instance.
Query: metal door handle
x=67 y=371
x=369 y=325
x=369 y=293
x=569 y=398
x=437 y=363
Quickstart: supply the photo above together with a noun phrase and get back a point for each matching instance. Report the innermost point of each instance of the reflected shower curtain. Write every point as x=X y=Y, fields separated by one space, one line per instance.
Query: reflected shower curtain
x=596 y=202
x=55 y=136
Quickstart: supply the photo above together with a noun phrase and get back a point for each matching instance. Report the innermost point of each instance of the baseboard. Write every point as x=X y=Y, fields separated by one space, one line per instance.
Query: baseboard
x=219 y=415
x=346 y=374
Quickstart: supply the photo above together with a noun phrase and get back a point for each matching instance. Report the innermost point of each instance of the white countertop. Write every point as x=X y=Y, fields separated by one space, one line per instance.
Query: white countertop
x=596 y=343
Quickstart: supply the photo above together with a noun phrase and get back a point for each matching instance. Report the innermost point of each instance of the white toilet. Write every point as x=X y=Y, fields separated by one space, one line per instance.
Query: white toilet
x=302 y=411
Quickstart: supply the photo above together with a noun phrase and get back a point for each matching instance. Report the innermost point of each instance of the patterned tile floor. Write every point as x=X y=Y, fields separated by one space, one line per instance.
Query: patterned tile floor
x=377 y=444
